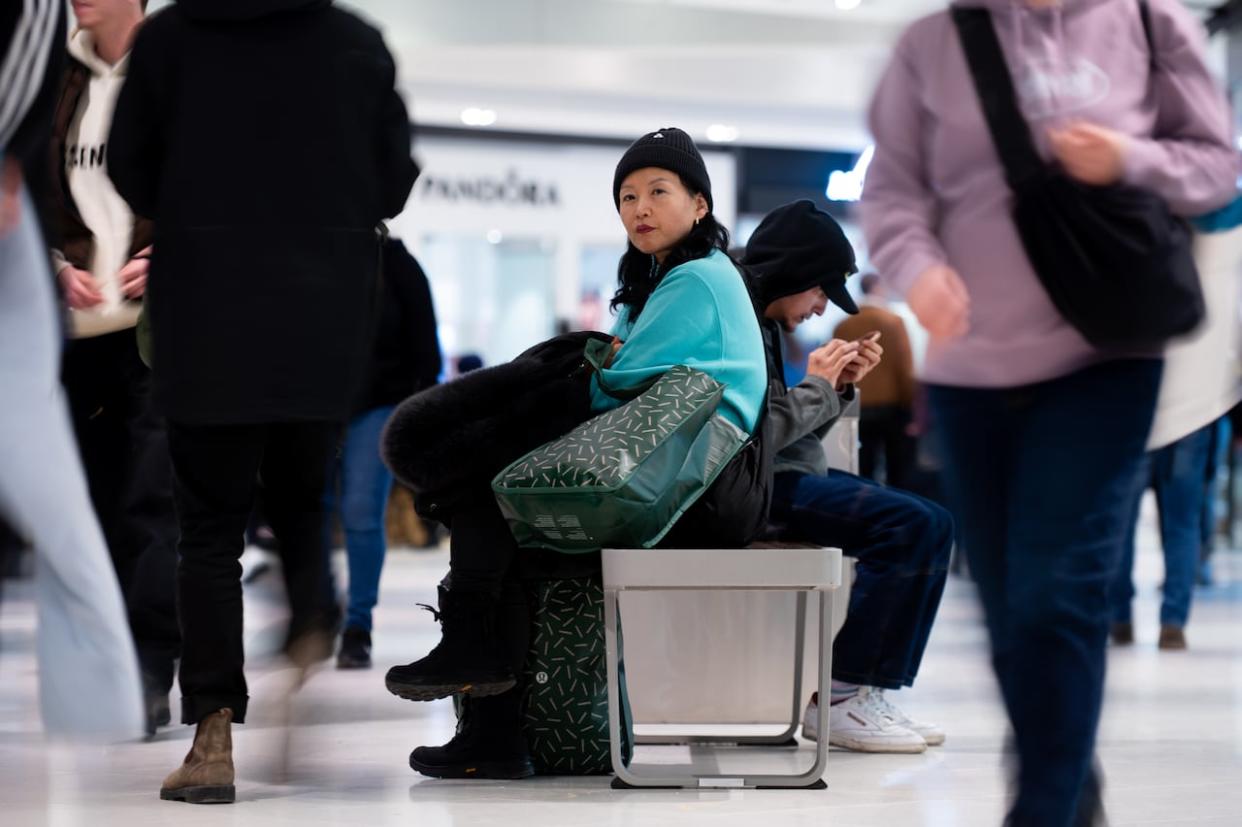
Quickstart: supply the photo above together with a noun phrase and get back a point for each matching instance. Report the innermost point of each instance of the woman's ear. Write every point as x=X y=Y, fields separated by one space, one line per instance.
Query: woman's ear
x=700 y=207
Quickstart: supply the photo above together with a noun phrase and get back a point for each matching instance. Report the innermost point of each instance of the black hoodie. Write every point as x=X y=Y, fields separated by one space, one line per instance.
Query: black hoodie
x=236 y=11
x=267 y=140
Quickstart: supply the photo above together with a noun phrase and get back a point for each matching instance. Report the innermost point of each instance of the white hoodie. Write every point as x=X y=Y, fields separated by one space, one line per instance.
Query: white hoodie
x=103 y=211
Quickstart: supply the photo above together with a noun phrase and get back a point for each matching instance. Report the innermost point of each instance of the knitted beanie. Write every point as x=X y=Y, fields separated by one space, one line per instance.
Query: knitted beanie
x=669 y=148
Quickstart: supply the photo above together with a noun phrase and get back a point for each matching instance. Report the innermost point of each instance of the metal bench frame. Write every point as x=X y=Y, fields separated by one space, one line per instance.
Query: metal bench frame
x=774 y=567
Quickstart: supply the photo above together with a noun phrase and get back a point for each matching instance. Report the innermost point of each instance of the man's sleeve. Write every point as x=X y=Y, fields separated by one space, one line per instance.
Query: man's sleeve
x=810 y=407
x=136 y=141
x=394 y=166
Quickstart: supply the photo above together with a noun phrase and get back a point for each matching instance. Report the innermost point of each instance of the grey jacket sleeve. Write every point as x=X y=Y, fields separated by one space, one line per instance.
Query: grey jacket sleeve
x=811 y=407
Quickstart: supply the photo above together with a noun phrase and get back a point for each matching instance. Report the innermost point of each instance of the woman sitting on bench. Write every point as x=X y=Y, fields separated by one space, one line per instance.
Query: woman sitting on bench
x=682 y=301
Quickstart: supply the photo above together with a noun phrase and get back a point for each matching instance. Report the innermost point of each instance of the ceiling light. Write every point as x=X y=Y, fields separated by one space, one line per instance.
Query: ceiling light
x=478 y=117
x=495 y=236
x=721 y=134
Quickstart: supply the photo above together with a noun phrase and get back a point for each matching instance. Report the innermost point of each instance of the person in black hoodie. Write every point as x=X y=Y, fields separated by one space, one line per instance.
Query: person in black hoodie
x=267 y=141
x=798 y=258
x=405 y=360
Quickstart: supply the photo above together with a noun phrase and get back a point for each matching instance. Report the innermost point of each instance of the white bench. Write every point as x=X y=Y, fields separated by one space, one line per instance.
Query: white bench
x=770 y=568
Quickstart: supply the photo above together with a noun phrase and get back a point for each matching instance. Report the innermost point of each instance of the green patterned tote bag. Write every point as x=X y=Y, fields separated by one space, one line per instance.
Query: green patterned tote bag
x=622 y=479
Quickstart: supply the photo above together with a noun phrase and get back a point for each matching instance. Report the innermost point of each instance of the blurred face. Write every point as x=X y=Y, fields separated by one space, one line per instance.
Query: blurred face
x=92 y=13
x=791 y=311
x=658 y=211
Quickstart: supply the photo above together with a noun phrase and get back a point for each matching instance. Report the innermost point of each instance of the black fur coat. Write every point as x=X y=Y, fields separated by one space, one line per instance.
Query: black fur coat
x=448 y=442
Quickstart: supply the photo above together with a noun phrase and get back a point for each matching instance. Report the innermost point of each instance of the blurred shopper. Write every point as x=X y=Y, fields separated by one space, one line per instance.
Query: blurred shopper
x=43 y=493
x=267 y=142
x=799 y=259
x=1178 y=474
x=405 y=359
x=887 y=392
x=1044 y=433
x=682 y=301
x=101 y=262
x=1201 y=384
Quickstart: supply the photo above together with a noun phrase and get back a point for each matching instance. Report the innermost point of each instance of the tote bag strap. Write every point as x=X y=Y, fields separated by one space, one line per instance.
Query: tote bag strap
x=994 y=86
x=596 y=355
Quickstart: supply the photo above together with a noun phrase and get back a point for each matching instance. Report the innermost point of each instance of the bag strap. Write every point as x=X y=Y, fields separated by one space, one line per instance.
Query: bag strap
x=994 y=86
x=1145 y=16
x=596 y=355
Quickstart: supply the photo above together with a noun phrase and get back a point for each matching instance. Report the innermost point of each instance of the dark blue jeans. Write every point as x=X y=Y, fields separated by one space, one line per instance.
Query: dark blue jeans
x=1041 y=479
x=364 y=483
x=902 y=544
x=1178 y=474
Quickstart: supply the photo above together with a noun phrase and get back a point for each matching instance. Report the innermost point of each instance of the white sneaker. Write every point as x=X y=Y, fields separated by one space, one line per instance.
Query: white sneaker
x=932 y=734
x=862 y=724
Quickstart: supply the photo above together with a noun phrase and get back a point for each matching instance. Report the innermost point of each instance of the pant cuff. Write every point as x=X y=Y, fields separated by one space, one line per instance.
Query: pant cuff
x=197 y=707
x=877 y=681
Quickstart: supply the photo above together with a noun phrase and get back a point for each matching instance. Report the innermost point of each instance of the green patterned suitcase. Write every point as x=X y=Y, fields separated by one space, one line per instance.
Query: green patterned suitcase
x=566 y=709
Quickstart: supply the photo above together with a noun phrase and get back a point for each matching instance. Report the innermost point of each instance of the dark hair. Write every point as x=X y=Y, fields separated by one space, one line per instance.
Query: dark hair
x=869 y=282
x=638 y=275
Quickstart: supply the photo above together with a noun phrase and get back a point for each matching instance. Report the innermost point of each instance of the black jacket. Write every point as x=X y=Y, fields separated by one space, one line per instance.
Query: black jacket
x=406 y=356
x=448 y=442
x=267 y=141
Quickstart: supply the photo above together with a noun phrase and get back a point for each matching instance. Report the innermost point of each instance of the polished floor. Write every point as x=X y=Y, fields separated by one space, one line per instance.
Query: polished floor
x=335 y=752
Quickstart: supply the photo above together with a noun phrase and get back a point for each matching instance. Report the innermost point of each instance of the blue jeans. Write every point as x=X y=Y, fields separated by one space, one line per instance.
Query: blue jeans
x=364 y=483
x=1178 y=473
x=902 y=544
x=1041 y=479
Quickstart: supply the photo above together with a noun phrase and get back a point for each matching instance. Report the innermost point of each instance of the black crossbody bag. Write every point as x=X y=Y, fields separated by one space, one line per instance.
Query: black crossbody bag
x=1115 y=261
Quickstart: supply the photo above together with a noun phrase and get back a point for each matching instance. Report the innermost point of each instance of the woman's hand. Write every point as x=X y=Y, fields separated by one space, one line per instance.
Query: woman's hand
x=828 y=362
x=80 y=290
x=10 y=195
x=616 y=346
x=1090 y=153
x=940 y=301
x=133 y=276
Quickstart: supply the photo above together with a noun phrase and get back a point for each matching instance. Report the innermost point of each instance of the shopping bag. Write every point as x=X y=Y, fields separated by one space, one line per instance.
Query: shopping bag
x=623 y=478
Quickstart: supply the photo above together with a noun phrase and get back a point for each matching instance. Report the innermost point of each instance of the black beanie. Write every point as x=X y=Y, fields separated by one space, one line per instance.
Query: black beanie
x=796 y=247
x=669 y=148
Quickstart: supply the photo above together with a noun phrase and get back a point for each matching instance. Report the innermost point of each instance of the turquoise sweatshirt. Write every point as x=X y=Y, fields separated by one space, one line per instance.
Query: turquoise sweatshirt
x=701 y=316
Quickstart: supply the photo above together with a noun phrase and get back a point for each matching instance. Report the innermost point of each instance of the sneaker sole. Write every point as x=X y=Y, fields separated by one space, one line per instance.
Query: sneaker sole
x=858 y=745
x=222 y=794
x=436 y=692
x=497 y=770
x=933 y=740
x=352 y=664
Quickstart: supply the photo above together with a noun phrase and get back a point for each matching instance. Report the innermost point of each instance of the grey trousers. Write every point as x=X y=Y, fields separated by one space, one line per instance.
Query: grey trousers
x=88 y=670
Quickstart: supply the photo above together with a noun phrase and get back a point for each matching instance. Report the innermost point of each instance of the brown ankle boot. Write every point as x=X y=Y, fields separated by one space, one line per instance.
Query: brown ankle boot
x=206 y=776
x=1172 y=638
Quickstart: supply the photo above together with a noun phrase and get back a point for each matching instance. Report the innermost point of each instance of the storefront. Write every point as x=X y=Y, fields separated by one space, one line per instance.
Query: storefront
x=521 y=237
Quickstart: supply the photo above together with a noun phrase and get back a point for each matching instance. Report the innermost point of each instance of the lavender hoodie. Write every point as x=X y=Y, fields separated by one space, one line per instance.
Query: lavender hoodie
x=936 y=192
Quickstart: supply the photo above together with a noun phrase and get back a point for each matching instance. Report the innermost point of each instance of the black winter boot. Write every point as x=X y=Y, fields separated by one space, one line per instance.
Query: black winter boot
x=489 y=742
x=467 y=659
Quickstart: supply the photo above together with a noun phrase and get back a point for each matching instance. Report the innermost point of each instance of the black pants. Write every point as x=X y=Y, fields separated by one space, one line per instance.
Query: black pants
x=218 y=470
x=124 y=449
x=884 y=443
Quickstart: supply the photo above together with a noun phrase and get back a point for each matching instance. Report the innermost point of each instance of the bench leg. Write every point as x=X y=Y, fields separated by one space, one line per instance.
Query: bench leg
x=811 y=779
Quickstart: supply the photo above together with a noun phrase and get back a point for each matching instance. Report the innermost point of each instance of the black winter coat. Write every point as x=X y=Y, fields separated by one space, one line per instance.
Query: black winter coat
x=448 y=442
x=406 y=357
x=267 y=141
